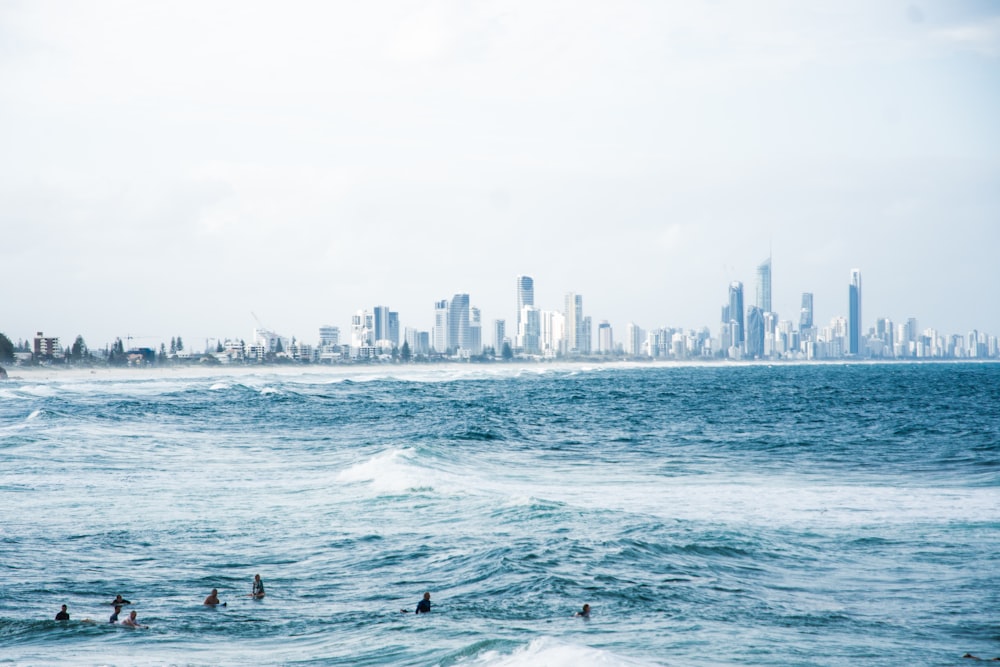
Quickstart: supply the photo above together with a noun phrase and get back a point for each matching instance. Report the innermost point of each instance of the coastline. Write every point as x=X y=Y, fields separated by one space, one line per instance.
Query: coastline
x=341 y=371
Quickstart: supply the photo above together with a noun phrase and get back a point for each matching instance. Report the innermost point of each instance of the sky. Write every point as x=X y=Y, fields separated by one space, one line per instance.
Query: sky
x=194 y=168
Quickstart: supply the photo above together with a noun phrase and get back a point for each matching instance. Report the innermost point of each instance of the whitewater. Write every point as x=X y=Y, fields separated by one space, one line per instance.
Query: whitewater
x=815 y=514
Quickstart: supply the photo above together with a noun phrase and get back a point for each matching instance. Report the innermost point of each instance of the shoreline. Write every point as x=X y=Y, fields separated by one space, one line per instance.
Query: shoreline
x=108 y=373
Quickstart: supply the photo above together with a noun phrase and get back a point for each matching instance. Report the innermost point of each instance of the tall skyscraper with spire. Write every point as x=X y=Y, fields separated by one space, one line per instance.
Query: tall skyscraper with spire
x=764 y=286
x=854 y=313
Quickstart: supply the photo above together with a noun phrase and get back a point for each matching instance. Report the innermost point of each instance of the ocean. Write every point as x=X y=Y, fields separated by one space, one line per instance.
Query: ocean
x=747 y=514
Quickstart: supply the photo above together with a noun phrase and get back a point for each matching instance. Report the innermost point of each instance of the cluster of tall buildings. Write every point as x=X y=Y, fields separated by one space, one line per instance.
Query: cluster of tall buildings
x=746 y=331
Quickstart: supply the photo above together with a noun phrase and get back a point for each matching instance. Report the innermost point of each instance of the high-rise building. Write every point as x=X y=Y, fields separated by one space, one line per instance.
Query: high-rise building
x=755 y=333
x=380 y=318
x=393 y=328
x=362 y=330
x=736 y=322
x=633 y=339
x=806 y=312
x=605 y=339
x=329 y=336
x=499 y=334
x=530 y=334
x=475 y=331
x=458 y=323
x=441 y=342
x=854 y=345
x=525 y=296
x=574 y=324
x=764 y=286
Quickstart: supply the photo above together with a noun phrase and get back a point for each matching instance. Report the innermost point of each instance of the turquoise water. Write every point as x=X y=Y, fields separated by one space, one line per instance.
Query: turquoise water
x=785 y=515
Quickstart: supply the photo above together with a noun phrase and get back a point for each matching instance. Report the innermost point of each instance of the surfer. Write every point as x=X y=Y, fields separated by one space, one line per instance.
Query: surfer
x=258 y=587
x=63 y=615
x=976 y=657
x=423 y=607
x=584 y=613
x=119 y=600
x=132 y=621
x=114 y=616
x=213 y=598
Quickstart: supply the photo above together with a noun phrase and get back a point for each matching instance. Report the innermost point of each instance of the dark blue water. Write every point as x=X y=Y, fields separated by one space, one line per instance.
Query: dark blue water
x=763 y=515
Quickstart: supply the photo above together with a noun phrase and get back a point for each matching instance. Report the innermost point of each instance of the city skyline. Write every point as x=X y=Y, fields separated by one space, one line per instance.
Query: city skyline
x=742 y=332
x=302 y=162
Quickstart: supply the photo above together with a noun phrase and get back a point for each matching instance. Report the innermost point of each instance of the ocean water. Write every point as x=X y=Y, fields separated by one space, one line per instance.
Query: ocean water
x=719 y=515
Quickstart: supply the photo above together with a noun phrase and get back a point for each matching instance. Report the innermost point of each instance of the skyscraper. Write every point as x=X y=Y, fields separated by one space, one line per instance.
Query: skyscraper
x=854 y=315
x=755 y=333
x=574 y=324
x=525 y=296
x=764 y=286
x=806 y=312
x=605 y=338
x=736 y=312
x=499 y=335
x=441 y=342
x=458 y=323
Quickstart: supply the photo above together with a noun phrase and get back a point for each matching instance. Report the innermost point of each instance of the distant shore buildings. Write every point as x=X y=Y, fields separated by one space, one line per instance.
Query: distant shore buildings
x=747 y=333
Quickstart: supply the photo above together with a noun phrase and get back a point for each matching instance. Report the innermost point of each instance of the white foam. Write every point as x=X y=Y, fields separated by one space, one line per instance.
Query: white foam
x=387 y=471
x=554 y=653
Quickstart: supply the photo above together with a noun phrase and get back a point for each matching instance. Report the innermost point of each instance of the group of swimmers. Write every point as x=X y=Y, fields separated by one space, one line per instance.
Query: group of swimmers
x=131 y=621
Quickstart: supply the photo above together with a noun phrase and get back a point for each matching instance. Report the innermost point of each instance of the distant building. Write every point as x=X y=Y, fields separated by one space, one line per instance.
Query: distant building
x=458 y=323
x=764 y=286
x=854 y=346
x=755 y=333
x=525 y=297
x=605 y=338
x=441 y=341
x=736 y=321
x=46 y=347
x=499 y=335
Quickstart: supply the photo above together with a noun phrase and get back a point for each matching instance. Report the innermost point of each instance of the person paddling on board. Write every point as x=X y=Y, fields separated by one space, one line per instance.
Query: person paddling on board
x=119 y=601
x=213 y=599
x=258 y=588
x=114 y=616
x=423 y=607
x=133 y=622
x=63 y=615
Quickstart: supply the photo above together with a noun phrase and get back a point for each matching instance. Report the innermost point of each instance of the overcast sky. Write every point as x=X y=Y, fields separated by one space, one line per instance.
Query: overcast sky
x=170 y=168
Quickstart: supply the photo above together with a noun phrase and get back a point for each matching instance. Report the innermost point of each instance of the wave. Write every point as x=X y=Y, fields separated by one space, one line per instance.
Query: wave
x=547 y=651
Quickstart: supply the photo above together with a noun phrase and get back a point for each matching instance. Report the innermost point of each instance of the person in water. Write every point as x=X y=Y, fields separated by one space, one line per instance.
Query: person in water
x=584 y=613
x=114 y=616
x=424 y=606
x=119 y=600
x=258 y=588
x=132 y=621
x=976 y=657
x=63 y=615
x=213 y=598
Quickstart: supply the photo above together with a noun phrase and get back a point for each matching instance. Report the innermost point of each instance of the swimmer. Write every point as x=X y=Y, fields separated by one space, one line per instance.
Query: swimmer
x=258 y=588
x=114 y=616
x=584 y=613
x=132 y=622
x=213 y=599
x=63 y=615
x=119 y=600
